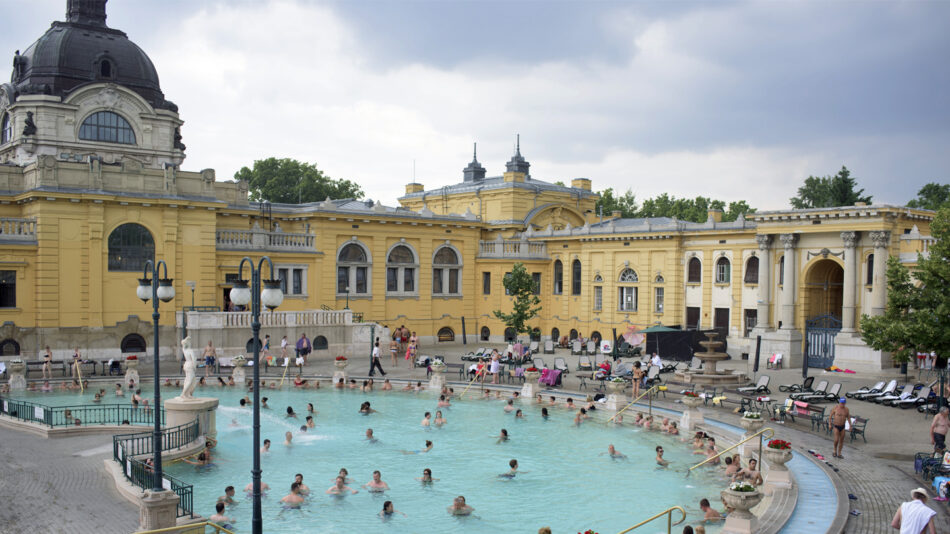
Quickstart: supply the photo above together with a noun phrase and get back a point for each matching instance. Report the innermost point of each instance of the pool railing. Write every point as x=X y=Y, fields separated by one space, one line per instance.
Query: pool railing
x=669 y=519
x=125 y=447
x=193 y=528
x=88 y=414
x=758 y=434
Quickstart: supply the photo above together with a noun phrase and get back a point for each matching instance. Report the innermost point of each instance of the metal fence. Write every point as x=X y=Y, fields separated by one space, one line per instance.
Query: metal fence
x=125 y=447
x=79 y=415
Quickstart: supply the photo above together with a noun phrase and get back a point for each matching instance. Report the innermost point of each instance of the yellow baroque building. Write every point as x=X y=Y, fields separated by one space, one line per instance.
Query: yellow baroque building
x=91 y=187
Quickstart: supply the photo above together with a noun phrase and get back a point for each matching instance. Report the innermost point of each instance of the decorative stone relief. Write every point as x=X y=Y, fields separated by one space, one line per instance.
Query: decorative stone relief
x=788 y=240
x=880 y=239
x=764 y=241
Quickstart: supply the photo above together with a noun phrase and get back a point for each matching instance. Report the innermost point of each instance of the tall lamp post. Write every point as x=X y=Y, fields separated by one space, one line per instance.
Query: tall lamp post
x=156 y=289
x=271 y=297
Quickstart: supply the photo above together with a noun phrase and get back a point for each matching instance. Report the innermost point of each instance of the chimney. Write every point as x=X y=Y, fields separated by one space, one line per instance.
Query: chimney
x=714 y=215
x=581 y=183
x=413 y=188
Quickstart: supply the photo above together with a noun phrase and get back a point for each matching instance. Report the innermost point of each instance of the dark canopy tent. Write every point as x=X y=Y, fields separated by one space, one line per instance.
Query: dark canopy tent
x=673 y=343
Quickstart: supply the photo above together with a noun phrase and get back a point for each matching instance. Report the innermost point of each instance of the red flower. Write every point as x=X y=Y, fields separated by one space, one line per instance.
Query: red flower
x=780 y=444
x=341 y=358
x=132 y=357
x=690 y=394
x=531 y=370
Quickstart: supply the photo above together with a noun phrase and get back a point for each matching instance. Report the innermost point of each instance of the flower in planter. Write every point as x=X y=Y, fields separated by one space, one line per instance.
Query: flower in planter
x=752 y=415
x=691 y=394
x=16 y=360
x=531 y=370
x=588 y=531
x=780 y=444
x=743 y=487
x=132 y=357
x=341 y=358
x=617 y=380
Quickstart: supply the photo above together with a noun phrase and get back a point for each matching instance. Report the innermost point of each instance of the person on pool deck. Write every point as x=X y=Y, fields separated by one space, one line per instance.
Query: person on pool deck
x=228 y=497
x=710 y=514
x=341 y=488
x=914 y=516
x=513 y=464
x=218 y=517
x=289 y=438
x=250 y=487
x=614 y=453
x=293 y=499
x=659 y=457
x=209 y=356
x=426 y=418
x=369 y=436
x=427 y=449
x=304 y=490
x=389 y=511
x=837 y=418
x=376 y=485
x=459 y=507
x=426 y=477
x=439 y=420
x=938 y=429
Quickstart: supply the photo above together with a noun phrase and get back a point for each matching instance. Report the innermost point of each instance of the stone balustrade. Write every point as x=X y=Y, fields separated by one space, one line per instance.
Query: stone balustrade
x=513 y=249
x=17 y=230
x=262 y=240
x=278 y=319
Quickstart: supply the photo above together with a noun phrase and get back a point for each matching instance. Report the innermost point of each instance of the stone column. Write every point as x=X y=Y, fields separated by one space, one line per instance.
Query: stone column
x=881 y=240
x=850 y=239
x=788 y=281
x=765 y=280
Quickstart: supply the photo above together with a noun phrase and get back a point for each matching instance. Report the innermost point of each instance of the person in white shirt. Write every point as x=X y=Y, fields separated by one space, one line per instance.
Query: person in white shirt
x=656 y=361
x=914 y=516
x=376 y=364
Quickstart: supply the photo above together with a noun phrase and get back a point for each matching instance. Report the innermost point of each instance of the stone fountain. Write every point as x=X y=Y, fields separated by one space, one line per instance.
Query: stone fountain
x=709 y=375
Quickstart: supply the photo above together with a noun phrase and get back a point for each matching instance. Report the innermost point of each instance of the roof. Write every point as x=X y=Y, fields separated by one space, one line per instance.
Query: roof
x=498 y=182
x=364 y=208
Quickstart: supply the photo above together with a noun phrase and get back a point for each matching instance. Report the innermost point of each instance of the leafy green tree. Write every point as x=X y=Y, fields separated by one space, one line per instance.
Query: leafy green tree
x=626 y=204
x=290 y=181
x=932 y=196
x=692 y=209
x=521 y=286
x=895 y=331
x=829 y=191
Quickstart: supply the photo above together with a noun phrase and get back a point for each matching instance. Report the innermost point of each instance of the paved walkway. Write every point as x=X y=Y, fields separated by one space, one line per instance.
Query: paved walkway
x=44 y=474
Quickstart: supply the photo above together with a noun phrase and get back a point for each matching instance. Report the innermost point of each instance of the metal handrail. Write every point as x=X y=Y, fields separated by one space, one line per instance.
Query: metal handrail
x=669 y=520
x=656 y=387
x=188 y=528
x=757 y=434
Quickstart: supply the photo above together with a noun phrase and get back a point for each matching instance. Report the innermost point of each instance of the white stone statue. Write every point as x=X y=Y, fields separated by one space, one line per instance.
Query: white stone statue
x=191 y=356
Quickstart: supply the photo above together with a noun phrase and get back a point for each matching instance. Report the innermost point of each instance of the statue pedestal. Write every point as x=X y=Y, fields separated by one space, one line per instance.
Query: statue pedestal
x=158 y=510
x=340 y=371
x=239 y=376
x=616 y=401
x=529 y=390
x=179 y=411
x=691 y=415
x=17 y=376
x=132 y=372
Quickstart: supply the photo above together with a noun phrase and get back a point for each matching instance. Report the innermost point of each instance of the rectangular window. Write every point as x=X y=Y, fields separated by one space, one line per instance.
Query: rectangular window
x=751 y=317
x=692 y=318
x=361 y=280
x=409 y=279
x=721 y=319
x=342 y=279
x=536 y=278
x=507 y=276
x=298 y=281
x=7 y=289
x=229 y=278
x=454 y=281
x=576 y=277
x=392 y=279
x=437 y=281
x=598 y=297
x=628 y=299
x=658 y=300
x=486 y=283
x=282 y=276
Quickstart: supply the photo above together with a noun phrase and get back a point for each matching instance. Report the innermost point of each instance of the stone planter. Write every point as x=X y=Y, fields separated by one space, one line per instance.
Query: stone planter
x=751 y=426
x=532 y=376
x=691 y=415
x=778 y=476
x=17 y=367
x=741 y=520
x=17 y=373
x=239 y=374
x=615 y=388
x=131 y=364
x=437 y=380
x=692 y=402
x=340 y=372
x=340 y=364
x=530 y=387
x=132 y=372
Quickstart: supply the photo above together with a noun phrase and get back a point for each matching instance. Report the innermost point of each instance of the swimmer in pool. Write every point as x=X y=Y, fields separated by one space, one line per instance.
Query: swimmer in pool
x=426 y=418
x=443 y=402
x=376 y=485
x=340 y=488
x=202 y=461
x=614 y=453
x=503 y=436
x=519 y=414
x=218 y=517
x=310 y=423
x=544 y=413
x=290 y=412
x=249 y=489
x=509 y=407
x=459 y=507
x=228 y=497
x=426 y=477
x=365 y=408
x=346 y=476
x=289 y=437
x=513 y=464
x=266 y=447
x=369 y=436
x=388 y=511
x=293 y=499
x=387 y=386
x=439 y=420
x=659 y=457
x=304 y=490
x=427 y=449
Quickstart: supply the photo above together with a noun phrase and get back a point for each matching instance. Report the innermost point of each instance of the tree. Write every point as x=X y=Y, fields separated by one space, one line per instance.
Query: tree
x=290 y=181
x=917 y=316
x=829 y=191
x=695 y=209
x=625 y=204
x=932 y=196
x=521 y=286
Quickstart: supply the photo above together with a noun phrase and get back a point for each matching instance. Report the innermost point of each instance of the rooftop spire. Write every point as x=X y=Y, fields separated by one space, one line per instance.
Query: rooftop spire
x=88 y=12
x=517 y=163
x=474 y=172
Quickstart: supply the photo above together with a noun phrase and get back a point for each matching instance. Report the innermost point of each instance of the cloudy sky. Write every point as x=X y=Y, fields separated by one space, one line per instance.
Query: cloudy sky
x=729 y=100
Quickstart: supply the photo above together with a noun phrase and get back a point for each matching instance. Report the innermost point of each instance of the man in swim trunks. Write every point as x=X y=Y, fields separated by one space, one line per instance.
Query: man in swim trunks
x=376 y=485
x=218 y=517
x=340 y=488
x=513 y=464
x=938 y=429
x=293 y=499
x=837 y=418
x=459 y=507
x=709 y=513
x=228 y=497
x=304 y=490
x=209 y=356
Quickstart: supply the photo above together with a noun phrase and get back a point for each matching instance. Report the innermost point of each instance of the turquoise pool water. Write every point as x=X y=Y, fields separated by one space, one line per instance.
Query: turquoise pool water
x=564 y=481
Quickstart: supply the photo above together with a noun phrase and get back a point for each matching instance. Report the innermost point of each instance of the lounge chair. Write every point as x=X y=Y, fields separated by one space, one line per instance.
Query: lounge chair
x=539 y=363
x=591 y=347
x=653 y=376
x=584 y=364
x=820 y=390
x=805 y=386
x=575 y=347
x=605 y=347
x=695 y=364
x=473 y=356
x=889 y=388
x=549 y=347
x=819 y=396
x=904 y=392
x=923 y=394
x=533 y=347
x=865 y=389
x=599 y=359
x=762 y=386
x=561 y=365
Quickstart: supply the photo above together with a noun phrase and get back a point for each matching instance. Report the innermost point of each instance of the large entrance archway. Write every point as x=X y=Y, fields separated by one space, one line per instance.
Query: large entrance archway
x=822 y=301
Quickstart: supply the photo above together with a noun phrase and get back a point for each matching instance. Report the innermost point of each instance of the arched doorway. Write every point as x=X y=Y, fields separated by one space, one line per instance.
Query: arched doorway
x=822 y=303
x=485 y=333
x=320 y=343
x=510 y=335
x=133 y=343
x=555 y=335
x=9 y=347
x=536 y=334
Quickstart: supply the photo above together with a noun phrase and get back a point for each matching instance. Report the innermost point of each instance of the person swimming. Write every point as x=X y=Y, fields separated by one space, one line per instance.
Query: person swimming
x=502 y=436
x=293 y=499
x=459 y=507
x=388 y=511
x=369 y=436
x=426 y=477
x=340 y=488
x=426 y=418
x=219 y=518
x=249 y=489
x=376 y=485
x=425 y=450
x=439 y=420
x=513 y=464
x=288 y=439
x=614 y=453
x=365 y=408
x=544 y=413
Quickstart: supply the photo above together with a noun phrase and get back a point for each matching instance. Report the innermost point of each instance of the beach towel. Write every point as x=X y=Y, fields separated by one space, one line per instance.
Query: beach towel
x=801 y=408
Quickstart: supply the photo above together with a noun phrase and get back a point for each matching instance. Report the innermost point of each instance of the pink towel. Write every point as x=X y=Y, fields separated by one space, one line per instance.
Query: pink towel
x=801 y=407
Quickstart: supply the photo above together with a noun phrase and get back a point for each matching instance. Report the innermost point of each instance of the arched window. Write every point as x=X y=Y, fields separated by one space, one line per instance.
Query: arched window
x=596 y=337
x=446 y=334
x=627 y=295
x=133 y=343
x=870 y=270
x=723 y=270
x=130 y=246
x=6 y=129
x=9 y=347
x=510 y=335
x=752 y=270
x=555 y=335
x=629 y=275
x=576 y=277
x=598 y=279
x=320 y=343
x=659 y=279
x=105 y=69
x=352 y=270
x=573 y=335
x=107 y=127
x=485 y=334
x=401 y=270
x=249 y=346
x=536 y=334
x=558 y=277
x=446 y=272
x=694 y=272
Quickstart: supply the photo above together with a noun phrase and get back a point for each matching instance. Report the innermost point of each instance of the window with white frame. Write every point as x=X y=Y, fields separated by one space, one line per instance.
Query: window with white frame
x=658 y=299
x=401 y=270
x=558 y=277
x=723 y=270
x=353 y=270
x=446 y=272
x=627 y=299
x=629 y=275
x=293 y=279
x=598 y=297
x=7 y=289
